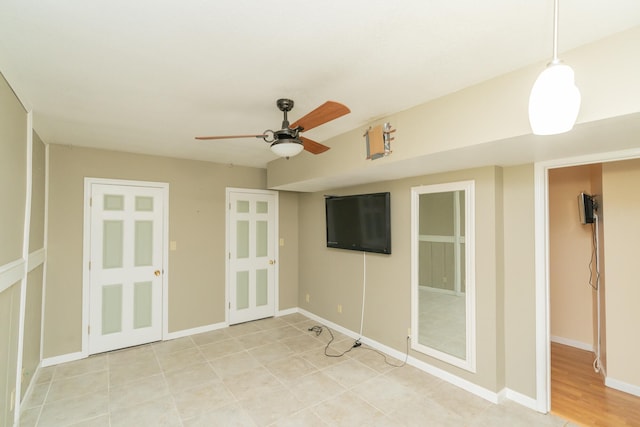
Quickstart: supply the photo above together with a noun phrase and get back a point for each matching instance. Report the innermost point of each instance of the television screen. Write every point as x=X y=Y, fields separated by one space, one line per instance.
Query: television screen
x=585 y=204
x=359 y=222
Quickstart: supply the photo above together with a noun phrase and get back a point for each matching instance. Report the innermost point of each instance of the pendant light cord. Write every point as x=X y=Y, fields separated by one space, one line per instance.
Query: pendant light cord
x=555 y=32
x=554 y=102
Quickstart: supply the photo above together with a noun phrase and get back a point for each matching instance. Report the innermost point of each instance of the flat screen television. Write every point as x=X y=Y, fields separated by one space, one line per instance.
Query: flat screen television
x=586 y=208
x=360 y=222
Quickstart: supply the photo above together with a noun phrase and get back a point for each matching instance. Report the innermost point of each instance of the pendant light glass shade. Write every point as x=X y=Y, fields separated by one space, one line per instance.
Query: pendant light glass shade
x=554 y=101
x=287 y=147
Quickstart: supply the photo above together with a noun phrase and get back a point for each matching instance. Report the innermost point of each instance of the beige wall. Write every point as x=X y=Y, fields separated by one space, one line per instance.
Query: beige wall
x=36 y=224
x=196 y=224
x=13 y=163
x=288 y=250
x=572 y=310
x=334 y=276
x=519 y=279
x=499 y=271
x=621 y=202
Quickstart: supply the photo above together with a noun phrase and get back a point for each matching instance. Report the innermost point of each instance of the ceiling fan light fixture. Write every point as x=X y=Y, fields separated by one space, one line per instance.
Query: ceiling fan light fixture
x=287 y=147
x=555 y=99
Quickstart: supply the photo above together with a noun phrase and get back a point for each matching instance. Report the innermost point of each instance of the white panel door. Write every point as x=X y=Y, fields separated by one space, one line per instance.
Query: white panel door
x=252 y=255
x=125 y=266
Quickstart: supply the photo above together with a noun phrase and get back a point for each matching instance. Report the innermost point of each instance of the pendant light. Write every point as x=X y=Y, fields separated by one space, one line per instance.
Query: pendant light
x=555 y=99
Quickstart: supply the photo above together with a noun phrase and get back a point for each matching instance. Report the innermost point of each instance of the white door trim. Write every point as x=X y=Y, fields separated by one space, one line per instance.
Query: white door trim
x=25 y=257
x=86 y=251
x=276 y=285
x=541 y=219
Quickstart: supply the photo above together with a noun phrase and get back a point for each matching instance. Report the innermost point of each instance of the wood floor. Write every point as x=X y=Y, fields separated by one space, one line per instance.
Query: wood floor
x=578 y=394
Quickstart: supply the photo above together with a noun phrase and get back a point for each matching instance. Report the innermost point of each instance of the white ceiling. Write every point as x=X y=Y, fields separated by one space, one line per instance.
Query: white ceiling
x=147 y=76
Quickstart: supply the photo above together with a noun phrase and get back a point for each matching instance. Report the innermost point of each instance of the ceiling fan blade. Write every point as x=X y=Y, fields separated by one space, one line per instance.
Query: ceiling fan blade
x=312 y=146
x=328 y=111
x=229 y=137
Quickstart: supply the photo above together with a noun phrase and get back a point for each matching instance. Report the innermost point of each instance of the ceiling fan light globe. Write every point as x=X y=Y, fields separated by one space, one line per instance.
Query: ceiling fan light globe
x=287 y=147
x=554 y=101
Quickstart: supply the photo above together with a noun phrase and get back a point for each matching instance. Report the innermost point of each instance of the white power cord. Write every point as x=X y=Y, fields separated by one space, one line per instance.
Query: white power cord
x=364 y=288
x=597 y=363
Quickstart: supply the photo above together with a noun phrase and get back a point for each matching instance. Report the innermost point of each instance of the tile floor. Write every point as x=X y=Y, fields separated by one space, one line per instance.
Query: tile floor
x=271 y=372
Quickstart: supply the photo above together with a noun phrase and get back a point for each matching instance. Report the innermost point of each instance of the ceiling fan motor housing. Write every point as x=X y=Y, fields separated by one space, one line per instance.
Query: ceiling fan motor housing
x=284 y=104
x=286 y=133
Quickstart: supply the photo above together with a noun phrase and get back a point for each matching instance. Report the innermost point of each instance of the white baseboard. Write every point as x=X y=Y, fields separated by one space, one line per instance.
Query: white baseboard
x=423 y=366
x=64 y=358
x=70 y=357
x=194 y=331
x=215 y=326
x=572 y=343
x=622 y=386
x=32 y=384
x=482 y=392
x=526 y=401
x=287 y=311
x=169 y=336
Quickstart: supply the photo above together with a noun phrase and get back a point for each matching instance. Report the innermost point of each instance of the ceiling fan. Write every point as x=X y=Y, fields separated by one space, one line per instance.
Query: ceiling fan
x=287 y=141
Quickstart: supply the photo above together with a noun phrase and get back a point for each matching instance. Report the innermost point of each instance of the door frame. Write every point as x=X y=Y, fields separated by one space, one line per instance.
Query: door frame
x=86 y=251
x=227 y=248
x=542 y=401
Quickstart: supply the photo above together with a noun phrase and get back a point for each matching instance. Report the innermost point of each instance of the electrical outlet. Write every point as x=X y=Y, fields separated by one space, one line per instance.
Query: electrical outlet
x=339 y=308
x=408 y=332
x=307 y=297
x=281 y=241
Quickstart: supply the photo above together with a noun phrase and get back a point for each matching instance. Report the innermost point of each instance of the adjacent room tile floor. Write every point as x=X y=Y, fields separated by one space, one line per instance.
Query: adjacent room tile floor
x=271 y=372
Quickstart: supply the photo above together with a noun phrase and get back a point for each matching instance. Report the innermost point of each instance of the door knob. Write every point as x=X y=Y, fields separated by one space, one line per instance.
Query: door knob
x=157 y=272
x=272 y=261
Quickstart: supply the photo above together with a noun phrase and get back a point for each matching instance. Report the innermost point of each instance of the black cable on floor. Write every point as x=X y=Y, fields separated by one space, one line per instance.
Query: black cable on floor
x=319 y=328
